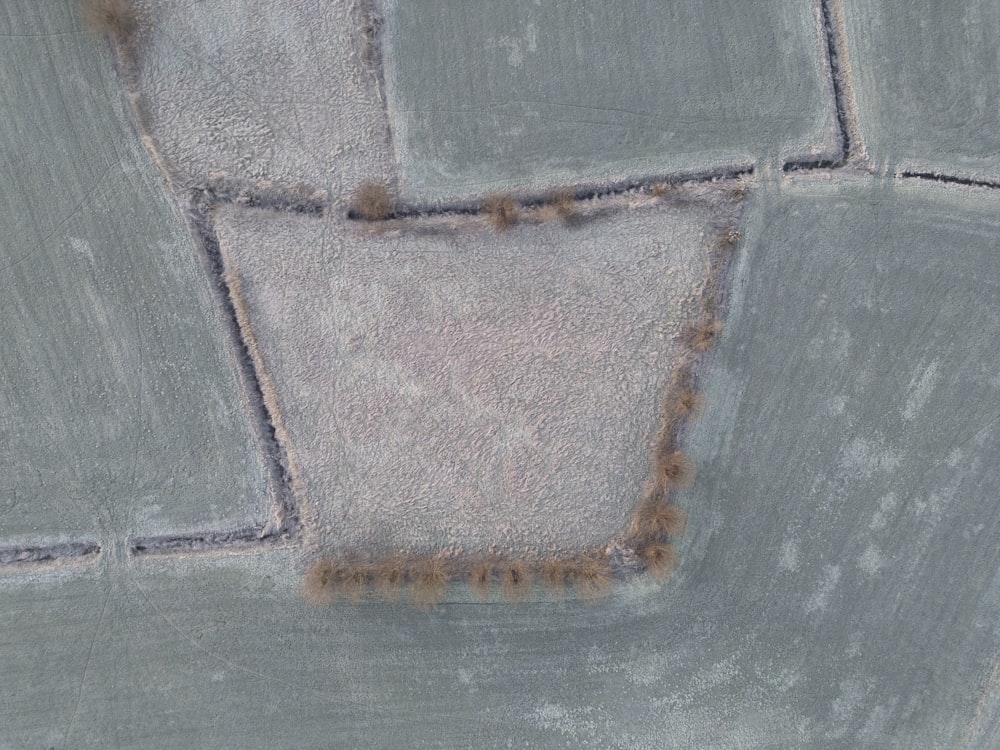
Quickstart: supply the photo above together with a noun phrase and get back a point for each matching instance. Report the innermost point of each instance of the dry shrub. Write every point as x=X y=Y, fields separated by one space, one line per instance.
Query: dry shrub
x=515 y=581
x=700 y=337
x=389 y=575
x=560 y=204
x=591 y=578
x=372 y=201
x=675 y=470
x=659 y=189
x=354 y=581
x=554 y=574
x=501 y=210
x=690 y=404
x=322 y=579
x=660 y=559
x=481 y=577
x=658 y=518
x=115 y=18
x=429 y=580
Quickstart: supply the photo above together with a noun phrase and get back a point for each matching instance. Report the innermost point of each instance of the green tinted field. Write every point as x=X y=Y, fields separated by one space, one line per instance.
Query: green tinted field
x=927 y=76
x=522 y=94
x=121 y=410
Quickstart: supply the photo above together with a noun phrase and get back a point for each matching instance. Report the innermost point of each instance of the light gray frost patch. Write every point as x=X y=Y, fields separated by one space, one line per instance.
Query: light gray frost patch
x=462 y=390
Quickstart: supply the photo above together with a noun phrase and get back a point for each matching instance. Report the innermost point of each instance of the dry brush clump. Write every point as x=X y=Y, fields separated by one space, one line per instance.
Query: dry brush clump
x=320 y=585
x=501 y=211
x=701 y=336
x=591 y=578
x=515 y=580
x=115 y=18
x=389 y=577
x=554 y=574
x=481 y=577
x=674 y=470
x=373 y=201
x=354 y=581
x=560 y=204
x=660 y=559
x=429 y=579
x=658 y=518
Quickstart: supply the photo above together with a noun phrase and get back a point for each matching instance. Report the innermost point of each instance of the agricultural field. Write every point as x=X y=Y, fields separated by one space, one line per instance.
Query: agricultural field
x=763 y=297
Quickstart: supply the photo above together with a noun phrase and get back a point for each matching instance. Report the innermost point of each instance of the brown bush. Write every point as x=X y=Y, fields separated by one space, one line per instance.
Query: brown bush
x=481 y=577
x=560 y=204
x=591 y=578
x=690 y=404
x=115 y=18
x=321 y=582
x=554 y=574
x=657 y=519
x=660 y=559
x=501 y=210
x=675 y=470
x=389 y=575
x=429 y=580
x=702 y=336
x=515 y=581
x=659 y=189
x=372 y=201
x=354 y=581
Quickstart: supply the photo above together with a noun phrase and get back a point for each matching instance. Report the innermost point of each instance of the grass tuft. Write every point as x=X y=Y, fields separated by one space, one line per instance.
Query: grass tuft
x=372 y=201
x=481 y=578
x=515 y=581
x=429 y=578
x=592 y=579
x=560 y=204
x=656 y=519
x=388 y=576
x=675 y=470
x=115 y=18
x=354 y=581
x=702 y=336
x=322 y=579
x=660 y=559
x=690 y=404
x=501 y=210
x=554 y=574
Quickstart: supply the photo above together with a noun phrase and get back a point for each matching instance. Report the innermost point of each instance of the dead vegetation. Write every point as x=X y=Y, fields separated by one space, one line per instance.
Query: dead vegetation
x=320 y=583
x=117 y=19
x=373 y=201
x=560 y=204
x=591 y=578
x=554 y=574
x=660 y=559
x=675 y=470
x=481 y=577
x=702 y=336
x=657 y=518
x=501 y=211
x=389 y=576
x=515 y=581
x=429 y=579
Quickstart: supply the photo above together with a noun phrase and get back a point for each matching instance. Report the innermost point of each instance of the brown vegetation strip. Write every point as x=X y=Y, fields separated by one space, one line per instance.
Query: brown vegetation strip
x=657 y=519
